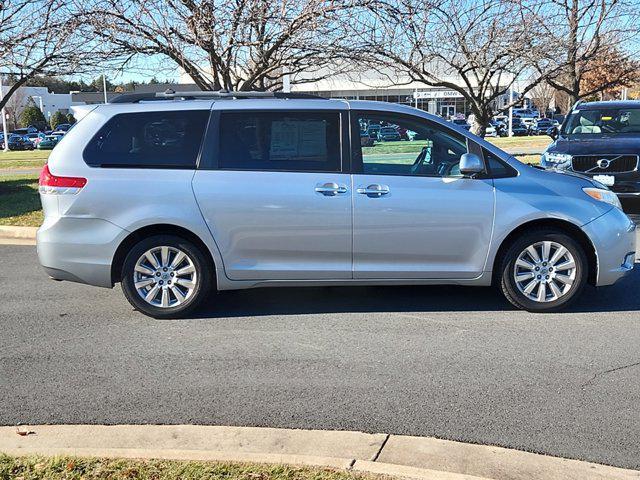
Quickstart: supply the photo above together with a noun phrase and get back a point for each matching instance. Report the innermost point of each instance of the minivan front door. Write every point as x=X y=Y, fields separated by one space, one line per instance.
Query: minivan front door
x=414 y=215
x=274 y=195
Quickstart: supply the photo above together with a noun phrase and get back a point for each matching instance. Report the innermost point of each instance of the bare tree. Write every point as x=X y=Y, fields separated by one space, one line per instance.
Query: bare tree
x=584 y=35
x=235 y=45
x=543 y=94
x=478 y=48
x=43 y=37
x=14 y=107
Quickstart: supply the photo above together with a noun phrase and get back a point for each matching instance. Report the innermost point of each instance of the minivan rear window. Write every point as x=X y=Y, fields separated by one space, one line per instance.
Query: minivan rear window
x=169 y=139
x=283 y=140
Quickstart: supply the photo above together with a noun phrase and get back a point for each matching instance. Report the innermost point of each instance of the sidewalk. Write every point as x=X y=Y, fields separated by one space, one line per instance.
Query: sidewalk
x=401 y=456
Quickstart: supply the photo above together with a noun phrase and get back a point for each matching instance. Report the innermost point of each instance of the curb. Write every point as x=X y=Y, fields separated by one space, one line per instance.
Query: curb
x=10 y=235
x=420 y=458
x=22 y=233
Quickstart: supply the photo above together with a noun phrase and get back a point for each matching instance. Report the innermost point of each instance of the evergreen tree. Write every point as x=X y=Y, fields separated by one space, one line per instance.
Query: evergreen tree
x=57 y=118
x=31 y=115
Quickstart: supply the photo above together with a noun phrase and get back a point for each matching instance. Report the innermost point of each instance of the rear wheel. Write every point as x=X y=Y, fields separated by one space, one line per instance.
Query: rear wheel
x=165 y=276
x=543 y=271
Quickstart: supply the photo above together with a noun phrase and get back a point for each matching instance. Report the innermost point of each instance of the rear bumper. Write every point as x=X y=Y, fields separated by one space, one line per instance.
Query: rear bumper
x=614 y=238
x=79 y=249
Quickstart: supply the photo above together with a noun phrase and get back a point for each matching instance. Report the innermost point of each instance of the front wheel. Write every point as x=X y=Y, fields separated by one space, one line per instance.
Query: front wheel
x=543 y=271
x=166 y=276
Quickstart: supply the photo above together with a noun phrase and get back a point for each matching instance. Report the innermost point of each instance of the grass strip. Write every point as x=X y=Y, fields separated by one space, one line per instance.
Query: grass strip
x=35 y=467
x=23 y=159
x=19 y=201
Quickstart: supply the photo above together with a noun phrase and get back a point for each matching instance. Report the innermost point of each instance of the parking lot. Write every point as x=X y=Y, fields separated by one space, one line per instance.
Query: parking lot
x=451 y=362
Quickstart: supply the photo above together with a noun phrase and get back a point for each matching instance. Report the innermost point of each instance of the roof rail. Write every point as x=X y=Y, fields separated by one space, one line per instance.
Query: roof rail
x=134 y=98
x=221 y=94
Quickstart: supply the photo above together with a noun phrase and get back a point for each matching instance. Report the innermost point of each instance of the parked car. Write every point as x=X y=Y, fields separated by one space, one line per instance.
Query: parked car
x=63 y=127
x=272 y=198
x=461 y=122
x=490 y=131
x=601 y=140
x=48 y=142
x=373 y=131
x=527 y=115
x=16 y=142
x=404 y=133
x=387 y=134
x=500 y=128
x=35 y=138
x=541 y=126
x=25 y=131
x=518 y=128
x=366 y=140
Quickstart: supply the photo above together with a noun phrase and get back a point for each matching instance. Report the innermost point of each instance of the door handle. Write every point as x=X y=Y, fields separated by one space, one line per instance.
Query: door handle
x=374 y=191
x=330 y=189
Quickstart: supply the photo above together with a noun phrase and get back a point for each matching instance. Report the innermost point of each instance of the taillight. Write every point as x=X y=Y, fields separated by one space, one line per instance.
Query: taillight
x=53 y=184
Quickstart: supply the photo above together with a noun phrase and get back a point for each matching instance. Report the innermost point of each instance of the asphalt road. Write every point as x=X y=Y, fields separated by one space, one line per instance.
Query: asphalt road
x=450 y=362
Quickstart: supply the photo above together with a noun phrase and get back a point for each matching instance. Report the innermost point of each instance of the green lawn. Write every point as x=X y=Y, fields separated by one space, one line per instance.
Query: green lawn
x=404 y=151
x=541 y=141
x=23 y=159
x=77 y=468
x=20 y=202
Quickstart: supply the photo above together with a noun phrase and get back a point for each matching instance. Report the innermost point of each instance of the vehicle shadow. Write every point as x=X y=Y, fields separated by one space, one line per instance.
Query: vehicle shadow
x=319 y=300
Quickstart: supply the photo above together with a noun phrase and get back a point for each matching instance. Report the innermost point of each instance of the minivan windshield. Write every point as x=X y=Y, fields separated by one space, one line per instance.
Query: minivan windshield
x=603 y=121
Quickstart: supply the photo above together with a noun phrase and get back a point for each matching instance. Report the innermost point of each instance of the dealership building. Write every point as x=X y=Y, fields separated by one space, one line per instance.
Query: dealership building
x=370 y=86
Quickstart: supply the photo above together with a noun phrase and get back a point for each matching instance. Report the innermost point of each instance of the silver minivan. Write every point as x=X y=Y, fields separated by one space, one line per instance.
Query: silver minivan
x=180 y=193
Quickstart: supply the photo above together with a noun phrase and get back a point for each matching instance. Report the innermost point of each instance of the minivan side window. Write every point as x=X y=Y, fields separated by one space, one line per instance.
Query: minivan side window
x=396 y=144
x=165 y=139
x=280 y=140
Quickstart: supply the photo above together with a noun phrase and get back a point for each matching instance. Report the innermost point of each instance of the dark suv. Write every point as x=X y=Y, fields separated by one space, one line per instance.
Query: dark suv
x=601 y=140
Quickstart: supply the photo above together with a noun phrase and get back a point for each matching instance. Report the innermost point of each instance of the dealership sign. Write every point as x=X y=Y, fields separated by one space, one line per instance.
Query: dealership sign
x=437 y=94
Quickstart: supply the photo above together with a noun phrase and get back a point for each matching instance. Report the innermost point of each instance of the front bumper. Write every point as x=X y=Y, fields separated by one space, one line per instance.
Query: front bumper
x=614 y=237
x=79 y=249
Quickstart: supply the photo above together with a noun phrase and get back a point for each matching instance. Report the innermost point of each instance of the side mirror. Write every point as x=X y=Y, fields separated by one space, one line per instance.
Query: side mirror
x=553 y=132
x=471 y=165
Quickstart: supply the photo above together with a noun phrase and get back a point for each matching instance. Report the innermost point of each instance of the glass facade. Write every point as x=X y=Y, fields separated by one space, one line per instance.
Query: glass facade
x=446 y=107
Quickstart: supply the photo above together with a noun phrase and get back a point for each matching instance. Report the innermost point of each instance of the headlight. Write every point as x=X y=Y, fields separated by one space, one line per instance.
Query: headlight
x=602 y=195
x=556 y=158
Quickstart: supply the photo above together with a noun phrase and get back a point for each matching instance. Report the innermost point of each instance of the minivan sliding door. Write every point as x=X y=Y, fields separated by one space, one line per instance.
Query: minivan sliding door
x=274 y=194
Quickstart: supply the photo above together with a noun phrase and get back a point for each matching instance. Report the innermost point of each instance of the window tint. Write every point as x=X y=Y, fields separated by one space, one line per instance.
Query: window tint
x=149 y=139
x=393 y=144
x=294 y=141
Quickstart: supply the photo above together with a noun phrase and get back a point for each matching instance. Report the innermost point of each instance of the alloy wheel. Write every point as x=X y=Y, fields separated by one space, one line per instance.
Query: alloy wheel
x=545 y=271
x=165 y=276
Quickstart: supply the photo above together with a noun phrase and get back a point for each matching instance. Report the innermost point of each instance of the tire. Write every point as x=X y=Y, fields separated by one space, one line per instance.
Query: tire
x=181 y=276
x=562 y=286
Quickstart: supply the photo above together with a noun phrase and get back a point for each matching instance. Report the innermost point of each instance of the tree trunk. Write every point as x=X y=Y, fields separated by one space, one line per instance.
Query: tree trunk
x=482 y=117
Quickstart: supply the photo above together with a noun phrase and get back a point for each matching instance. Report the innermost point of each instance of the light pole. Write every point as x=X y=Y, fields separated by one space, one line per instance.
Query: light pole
x=5 y=135
x=511 y=110
x=104 y=87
